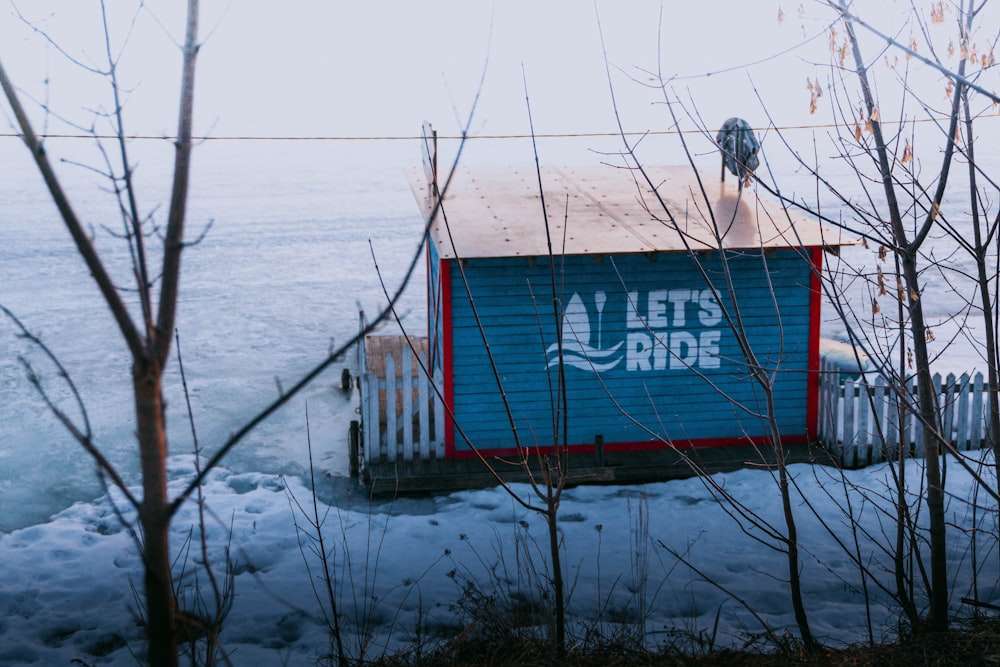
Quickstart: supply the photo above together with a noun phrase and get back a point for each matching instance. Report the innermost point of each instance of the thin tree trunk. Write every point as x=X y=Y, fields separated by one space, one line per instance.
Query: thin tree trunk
x=927 y=405
x=551 y=520
x=794 y=580
x=984 y=279
x=926 y=392
x=154 y=515
x=903 y=575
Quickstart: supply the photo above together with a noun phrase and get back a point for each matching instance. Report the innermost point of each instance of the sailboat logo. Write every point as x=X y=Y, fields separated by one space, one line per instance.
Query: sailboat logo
x=579 y=349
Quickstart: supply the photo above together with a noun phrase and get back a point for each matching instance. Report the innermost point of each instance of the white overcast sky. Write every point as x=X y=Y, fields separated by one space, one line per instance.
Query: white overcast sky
x=330 y=68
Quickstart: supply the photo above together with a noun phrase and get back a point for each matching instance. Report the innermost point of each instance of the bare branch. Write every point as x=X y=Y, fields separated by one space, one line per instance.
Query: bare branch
x=131 y=215
x=842 y=9
x=83 y=435
x=83 y=244
x=55 y=44
x=174 y=242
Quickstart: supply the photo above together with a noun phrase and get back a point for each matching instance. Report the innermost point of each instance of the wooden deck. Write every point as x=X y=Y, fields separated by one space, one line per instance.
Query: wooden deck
x=379 y=348
x=654 y=465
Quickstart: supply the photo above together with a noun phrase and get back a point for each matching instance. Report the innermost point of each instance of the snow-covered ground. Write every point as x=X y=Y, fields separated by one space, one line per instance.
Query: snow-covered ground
x=402 y=565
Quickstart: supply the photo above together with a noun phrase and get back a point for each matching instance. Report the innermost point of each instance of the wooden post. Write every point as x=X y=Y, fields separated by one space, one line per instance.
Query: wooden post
x=439 y=435
x=406 y=370
x=948 y=405
x=429 y=155
x=893 y=428
x=424 y=407
x=353 y=448
x=864 y=409
x=962 y=441
x=821 y=398
x=390 y=408
x=850 y=450
x=372 y=426
x=978 y=435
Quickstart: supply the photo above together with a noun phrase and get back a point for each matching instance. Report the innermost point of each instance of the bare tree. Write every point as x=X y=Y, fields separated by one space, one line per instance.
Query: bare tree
x=148 y=333
x=762 y=369
x=899 y=212
x=148 y=339
x=907 y=248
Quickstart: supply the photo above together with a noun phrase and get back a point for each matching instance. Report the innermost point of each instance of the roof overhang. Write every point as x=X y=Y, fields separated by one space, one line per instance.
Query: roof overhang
x=498 y=212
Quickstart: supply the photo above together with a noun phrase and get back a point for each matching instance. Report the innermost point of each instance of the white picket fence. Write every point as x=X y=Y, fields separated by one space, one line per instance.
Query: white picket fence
x=409 y=427
x=859 y=420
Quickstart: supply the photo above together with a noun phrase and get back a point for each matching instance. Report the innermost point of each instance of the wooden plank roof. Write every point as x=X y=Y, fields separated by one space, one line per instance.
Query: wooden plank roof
x=497 y=212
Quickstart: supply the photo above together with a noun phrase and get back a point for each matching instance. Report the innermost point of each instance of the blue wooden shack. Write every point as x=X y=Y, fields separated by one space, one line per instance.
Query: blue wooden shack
x=632 y=306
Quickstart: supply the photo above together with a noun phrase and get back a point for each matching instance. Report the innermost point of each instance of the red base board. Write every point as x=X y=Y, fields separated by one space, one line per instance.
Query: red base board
x=589 y=448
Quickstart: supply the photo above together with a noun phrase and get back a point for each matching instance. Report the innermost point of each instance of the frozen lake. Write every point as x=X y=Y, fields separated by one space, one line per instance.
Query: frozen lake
x=277 y=280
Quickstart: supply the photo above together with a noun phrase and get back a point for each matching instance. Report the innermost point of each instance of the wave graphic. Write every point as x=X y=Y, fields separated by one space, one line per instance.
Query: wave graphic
x=584 y=357
x=577 y=349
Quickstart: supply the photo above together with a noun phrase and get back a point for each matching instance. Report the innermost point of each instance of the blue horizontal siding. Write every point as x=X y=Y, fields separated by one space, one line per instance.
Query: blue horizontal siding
x=669 y=401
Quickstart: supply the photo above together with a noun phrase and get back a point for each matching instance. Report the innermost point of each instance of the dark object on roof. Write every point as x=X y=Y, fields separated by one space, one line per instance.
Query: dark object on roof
x=739 y=147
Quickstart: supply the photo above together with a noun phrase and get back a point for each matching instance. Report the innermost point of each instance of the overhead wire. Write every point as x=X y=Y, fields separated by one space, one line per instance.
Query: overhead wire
x=549 y=135
x=475 y=137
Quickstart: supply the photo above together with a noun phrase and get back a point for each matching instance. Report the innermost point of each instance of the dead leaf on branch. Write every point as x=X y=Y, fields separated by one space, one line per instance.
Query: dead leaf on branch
x=937 y=13
x=907 y=153
x=815 y=92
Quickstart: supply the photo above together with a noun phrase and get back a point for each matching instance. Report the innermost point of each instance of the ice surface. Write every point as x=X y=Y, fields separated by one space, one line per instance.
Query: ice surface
x=276 y=282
